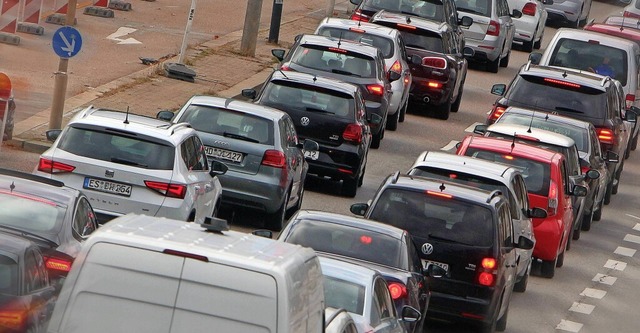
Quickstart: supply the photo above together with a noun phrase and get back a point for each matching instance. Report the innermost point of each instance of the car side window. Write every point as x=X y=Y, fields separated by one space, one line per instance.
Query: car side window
x=382 y=302
x=506 y=225
x=452 y=16
x=34 y=271
x=193 y=154
x=595 y=144
x=84 y=220
x=361 y=114
x=504 y=8
x=414 y=257
x=563 y=175
x=401 y=49
x=521 y=192
x=292 y=136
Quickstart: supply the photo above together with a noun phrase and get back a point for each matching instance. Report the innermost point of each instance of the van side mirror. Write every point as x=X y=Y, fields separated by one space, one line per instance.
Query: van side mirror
x=359 y=208
x=516 y=13
x=498 y=89
x=465 y=21
x=165 y=115
x=612 y=157
x=480 y=129
x=536 y=213
x=278 y=53
x=249 y=93
x=535 y=57
x=53 y=134
x=263 y=233
x=218 y=168
x=579 y=191
x=524 y=243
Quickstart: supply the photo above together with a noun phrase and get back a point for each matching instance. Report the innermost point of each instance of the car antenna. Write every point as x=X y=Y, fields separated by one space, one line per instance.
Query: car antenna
x=442 y=187
x=533 y=114
x=513 y=142
x=12 y=186
x=622 y=23
x=126 y=118
x=408 y=19
x=340 y=39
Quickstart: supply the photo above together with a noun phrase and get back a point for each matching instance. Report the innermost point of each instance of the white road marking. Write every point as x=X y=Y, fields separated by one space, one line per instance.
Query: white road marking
x=604 y=279
x=593 y=293
x=636 y=227
x=625 y=251
x=472 y=127
x=632 y=238
x=450 y=146
x=121 y=32
x=567 y=325
x=615 y=264
x=582 y=308
x=633 y=216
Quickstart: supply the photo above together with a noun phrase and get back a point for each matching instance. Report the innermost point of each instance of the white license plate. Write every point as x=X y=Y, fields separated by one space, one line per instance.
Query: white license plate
x=228 y=155
x=426 y=263
x=311 y=154
x=107 y=186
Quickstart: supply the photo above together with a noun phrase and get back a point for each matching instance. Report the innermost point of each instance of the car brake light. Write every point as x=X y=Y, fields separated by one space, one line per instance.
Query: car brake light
x=359 y=16
x=562 y=83
x=357 y=30
x=529 y=9
x=57 y=264
x=488 y=266
x=493 y=29
x=508 y=157
x=434 y=85
x=439 y=194
x=406 y=26
x=397 y=290
x=186 y=255
x=167 y=189
x=605 y=135
x=49 y=166
x=375 y=89
x=336 y=49
x=365 y=239
x=629 y=100
x=274 y=158
x=13 y=319
x=497 y=111
x=396 y=67
x=553 y=199
x=436 y=62
x=353 y=133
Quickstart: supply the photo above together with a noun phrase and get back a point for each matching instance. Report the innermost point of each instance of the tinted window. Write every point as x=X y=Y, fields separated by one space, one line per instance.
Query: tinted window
x=578 y=134
x=335 y=60
x=30 y=213
x=426 y=215
x=384 y=44
x=193 y=154
x=287 y=96
x=480 y=7
x=342 y=294
x=593 y=57
x=111 y=147
x=8 y=276
x=84 y=220
x=421 y=39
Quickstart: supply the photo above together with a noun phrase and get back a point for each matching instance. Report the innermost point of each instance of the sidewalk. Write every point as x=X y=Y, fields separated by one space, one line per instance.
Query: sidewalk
x=220 y=71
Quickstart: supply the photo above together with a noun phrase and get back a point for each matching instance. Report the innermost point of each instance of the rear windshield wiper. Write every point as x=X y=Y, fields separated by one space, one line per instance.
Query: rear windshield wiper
x=432 y=236
x=340 y=71
x=318 y=110
x=239 y=137
x=562 y=108
x=127 y=162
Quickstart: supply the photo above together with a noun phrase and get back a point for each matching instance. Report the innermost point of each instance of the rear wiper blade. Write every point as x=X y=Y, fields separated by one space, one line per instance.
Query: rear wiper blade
x=318 y=110
x=432 y=236
x=415 y=46
x=25 y=233
x=562 y=108
x=239 y=137
x=343 y=72
x=127 y=162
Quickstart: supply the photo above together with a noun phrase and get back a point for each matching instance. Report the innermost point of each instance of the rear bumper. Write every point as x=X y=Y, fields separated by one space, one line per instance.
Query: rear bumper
x=566 y=11
x=486 y=50
x=458 y=308
x=257 y=191
x=342 y=162
x=421 y=93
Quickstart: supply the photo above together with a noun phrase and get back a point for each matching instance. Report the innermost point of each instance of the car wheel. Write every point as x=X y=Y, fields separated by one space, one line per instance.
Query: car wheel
x=392 y=121
x=349 y=187
x=607 y=193
x=375 y=142
x=587 y=219
x=275 y=221
x=456 y=104
x=298 y=205
x=521 y=286
x=560 y=259
x=504 y=62
x=538 y=44
x=403 y=111
x=493 y=65
x=634 y=143
x=528 y=46
x=548 y=268
x=597 y=215
x=443 y=111
x=575 y=235
x=501 y=324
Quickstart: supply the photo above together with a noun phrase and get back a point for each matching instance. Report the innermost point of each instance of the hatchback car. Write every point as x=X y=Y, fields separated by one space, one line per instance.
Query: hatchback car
x=465 y=230
x=364 y=293
x=56 y=217
x=488 y=176
x=548 y=185
x=391 y=43
x=128 y=163
x=623 y=21
x=530 y=26
x=332 y=113
x=618 y=28
x=575 y=13
x=349 y=61
x=492 y=31
x=439 y=69
x=26 y=295
x=259 y=145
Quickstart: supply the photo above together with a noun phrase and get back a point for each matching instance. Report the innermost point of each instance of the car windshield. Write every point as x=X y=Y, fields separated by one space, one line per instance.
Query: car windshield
x=479 y=7
x=336 y=60
x=284 y=95
x=341 y=294
x=224 y=122
x=347 y=241
x=8 y=276
x=434 y=216
x=536 y=174
x=110 y=147
x=384 y=44
x=579 y=135
x=30 y=213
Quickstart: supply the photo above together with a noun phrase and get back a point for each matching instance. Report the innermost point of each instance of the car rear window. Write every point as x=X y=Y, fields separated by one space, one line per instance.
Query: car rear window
x=287 y=95
x=433 y=216
x=430 y=9
x=230 y=123
x=589 y=56
x=341 y=294
x=578 y=134
x=555 y=96
x=384 y=44
x=8 y=276
x=347 y=241
x=420 y=39
x=536 y=174
x=479 y=7
x=336 y=60
x=113 y=147
x=30 y=213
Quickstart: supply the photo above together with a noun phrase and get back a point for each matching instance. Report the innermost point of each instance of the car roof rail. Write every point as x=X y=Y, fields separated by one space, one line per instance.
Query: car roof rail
x=527 y=65
x=493 y=194
x=32 y=177
x=395 y=176
x=604 y=80
x=87 y=111
x=178 y=126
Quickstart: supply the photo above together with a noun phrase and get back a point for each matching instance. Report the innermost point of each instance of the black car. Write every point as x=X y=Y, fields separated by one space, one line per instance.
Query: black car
x=576 y=94
x=26 y=294
x=438 y=67
x=380 y=246
x=465 y=230
x=56 y=217
x=349 y=61
x=330 y=112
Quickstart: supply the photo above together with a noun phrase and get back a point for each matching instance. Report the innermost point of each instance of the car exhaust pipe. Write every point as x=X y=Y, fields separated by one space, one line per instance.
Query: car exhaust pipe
x=426 y=99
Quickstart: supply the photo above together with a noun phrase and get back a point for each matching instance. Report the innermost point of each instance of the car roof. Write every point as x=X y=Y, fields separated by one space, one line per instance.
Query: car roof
x=345 y=44
x=569 y=75
x=538 y=134
x=467 y=164
x=370 y=28
x=347 y=271
x=518 y=149
x=614 y=30
x=548 y=116
x=587 y=35
x=237 y=105
x=419 y=22
x=33 y=185
x=351 y=221
x=314 y=80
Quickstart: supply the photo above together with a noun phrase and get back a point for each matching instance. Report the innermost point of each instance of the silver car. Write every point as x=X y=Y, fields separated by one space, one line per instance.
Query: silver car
x=259 y=145
x=390 y=42
x=573 y=12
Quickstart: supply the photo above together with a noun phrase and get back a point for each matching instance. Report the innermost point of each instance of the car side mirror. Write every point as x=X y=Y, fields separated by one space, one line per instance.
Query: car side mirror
x=516 y=14
x=415 y=59
x=218 y=168
x=393 y=76
x=632 y=114
x=434 y=271
x=165 y=115
x=537 y=213
x=579 y=191
x=53 y=134
x=465 y=21
x=498 y=89
x=524 y=243
x=468 y=52
x=263 y=233
x=592 y=174
x=278 y=53
x=249 y=93
x=310 y=145
x=410 y=314
x=375 y=118
x=359 y=208
x=535 y=57
x=480 y=129
x=355 y=2
x=612 y=157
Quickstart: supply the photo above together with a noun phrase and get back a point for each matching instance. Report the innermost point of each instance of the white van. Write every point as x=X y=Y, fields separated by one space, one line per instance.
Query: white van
x=150 y=275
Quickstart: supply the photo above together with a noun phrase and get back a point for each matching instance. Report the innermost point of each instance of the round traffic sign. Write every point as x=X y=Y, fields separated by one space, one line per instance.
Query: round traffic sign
x=66 y=42
x=5 y=86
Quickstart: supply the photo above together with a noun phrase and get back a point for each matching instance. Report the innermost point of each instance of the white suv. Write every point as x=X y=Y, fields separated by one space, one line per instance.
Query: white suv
x=128 y=163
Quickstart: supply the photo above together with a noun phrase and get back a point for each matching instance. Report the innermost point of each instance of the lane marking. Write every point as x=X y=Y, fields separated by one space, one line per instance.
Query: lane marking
x=593 y=293
x=633 y=216
x=450 y=146
x=582 y=308
x=604 y=279
x=567 y=325
x=615 y=264
x=473 y=126
x=121 y=32
x=625 y=251
x=636 y=227
x=632 y=238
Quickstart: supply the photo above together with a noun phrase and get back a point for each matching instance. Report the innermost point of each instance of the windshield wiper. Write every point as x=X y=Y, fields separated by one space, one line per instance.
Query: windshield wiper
x=562 y=108
x=127 y=162
x=318 y=110
x=343 y=72
x=239 y=137
x=432 y=236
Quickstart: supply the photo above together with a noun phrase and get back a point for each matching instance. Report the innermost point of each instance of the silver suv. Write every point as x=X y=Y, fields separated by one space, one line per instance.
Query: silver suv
x=127 y=163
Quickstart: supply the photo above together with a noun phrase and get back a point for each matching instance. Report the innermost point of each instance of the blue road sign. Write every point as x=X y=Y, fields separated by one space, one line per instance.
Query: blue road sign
x=66 y=42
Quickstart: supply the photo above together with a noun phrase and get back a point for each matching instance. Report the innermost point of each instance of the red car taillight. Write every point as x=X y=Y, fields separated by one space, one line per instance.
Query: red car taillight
x=397 y=290
x=353 y=133
x=358 y=16
x=396 y=67
x=629 y=100
x=496 y=112
x=605 y=135
x=552 y=205
x=13 y=319
x=436 y=62
x=487 y=274
x=57 y=264
x=375 y=89
x=274 y=158
x=49 y=166
x=493 y=29
x=167 y=189
x=630 y=14
x=529 y=9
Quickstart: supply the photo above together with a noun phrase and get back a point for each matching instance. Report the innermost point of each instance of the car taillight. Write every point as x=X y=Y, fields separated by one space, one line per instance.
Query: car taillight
x=487 y=274
x=49 y=166
x=434 y=85
x=375 y=89
x=359 y=16
x=493 y=29
x=630 y=14
x=436 y=62
x=605 y=135
x=629 y=100
x=274 y=158
x=396 y=67
x=57 y=264
x=397 y=290
x=552 y=206
x=167 y=189
x=13 y=319
x=352 y=133
x=496 y=112
x=529 y=9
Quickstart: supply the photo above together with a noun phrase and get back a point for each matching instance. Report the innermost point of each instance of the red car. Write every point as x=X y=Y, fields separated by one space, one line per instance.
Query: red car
x=615 y=30
x=548 y=186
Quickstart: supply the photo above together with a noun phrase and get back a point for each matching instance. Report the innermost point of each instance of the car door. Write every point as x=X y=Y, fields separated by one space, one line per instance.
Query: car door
x=384 y=318
x=295 y=158
x=200 y=186
x=568 y=213
x=38 y=287
x=507 y=28
x=507 y=254
x=451 y=49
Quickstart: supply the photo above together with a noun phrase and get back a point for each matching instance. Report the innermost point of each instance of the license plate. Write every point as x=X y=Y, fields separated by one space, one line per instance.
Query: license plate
x=107 y=186
x=426 y=263
x=228 y=155
x=311 y=154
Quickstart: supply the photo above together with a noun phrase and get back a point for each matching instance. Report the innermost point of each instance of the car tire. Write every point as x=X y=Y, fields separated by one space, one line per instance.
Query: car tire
x=349 y=187
x=501 y=324
x=608 y=193
x=376 y=138
x=493 y=66
x=521 y=286
x=403 y=111
x=443 y=111
x=575 y=235
x=392 y=121
x=538 y=44
x=560 y=259
x=587 y=219
x=634 y=143
x=597 y=215
x=455 y=107
x=504 y=62
x=528 y=46
x=275 y=221
x=548 y=268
